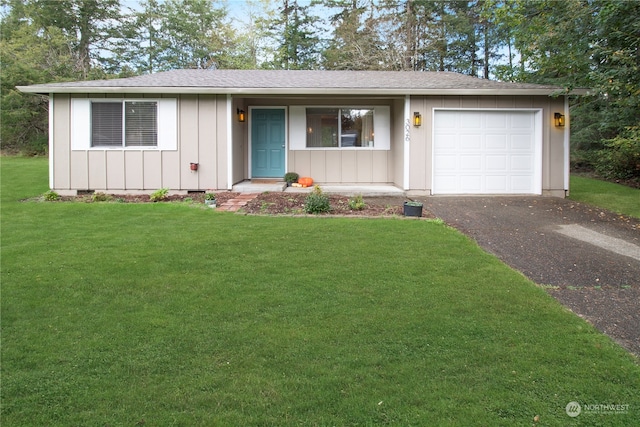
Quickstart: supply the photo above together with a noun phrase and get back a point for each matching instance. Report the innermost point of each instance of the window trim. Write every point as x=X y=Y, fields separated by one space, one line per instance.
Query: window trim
x=381 y=127
x=166 y=122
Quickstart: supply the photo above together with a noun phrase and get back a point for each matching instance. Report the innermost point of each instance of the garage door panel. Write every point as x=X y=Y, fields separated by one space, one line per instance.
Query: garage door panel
x=471 y=183
x=471 y=142
x=447 y=119
x=496 y=142
x=473 y=120
x=448 y=183
x=521 y=163
x=496 y=163
x=520 y=184
x=447 y=163
x=471 y=162
x=521 y=120
x=496 y=184
x=447 y=142
x=496 y=121
x=522 y=142
x=485 y=152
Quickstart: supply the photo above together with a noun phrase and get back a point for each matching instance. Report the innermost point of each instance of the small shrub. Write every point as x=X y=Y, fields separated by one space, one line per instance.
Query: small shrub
x=159 y=195
x=317 y=202
x=357 y=203
x=210 y=196
x=51 y=196
x=291 y=177
x=101 y=197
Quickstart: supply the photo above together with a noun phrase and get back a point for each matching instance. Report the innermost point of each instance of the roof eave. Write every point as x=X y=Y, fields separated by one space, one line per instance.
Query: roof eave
x=45 y=90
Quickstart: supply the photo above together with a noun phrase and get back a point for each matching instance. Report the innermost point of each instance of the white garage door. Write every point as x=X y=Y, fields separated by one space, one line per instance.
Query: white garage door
x=486 y=152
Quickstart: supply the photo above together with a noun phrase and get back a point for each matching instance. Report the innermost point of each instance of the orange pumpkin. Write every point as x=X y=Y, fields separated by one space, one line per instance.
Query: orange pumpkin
x=305 y=181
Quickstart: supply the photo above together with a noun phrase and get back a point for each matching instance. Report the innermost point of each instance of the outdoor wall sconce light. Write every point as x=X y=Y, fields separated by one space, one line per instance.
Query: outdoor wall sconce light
x=193 y=166
x=241 y=116
x=559 y=119
x=417 y=119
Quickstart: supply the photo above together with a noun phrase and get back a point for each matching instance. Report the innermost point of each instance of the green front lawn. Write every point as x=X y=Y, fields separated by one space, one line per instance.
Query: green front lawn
x=173 y=314
x=614 y=197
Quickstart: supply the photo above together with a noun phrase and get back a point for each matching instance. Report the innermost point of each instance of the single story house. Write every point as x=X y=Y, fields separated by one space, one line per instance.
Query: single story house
x=427 y=133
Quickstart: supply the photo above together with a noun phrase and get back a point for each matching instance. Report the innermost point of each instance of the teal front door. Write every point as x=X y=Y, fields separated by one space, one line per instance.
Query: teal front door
x=267 y=143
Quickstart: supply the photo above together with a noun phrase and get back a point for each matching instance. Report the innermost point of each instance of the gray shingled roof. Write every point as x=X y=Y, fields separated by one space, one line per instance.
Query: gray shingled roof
x=299 y=82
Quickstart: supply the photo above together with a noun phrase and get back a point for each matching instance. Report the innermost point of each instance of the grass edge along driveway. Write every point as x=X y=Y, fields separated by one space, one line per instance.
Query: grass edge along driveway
x=173 y=314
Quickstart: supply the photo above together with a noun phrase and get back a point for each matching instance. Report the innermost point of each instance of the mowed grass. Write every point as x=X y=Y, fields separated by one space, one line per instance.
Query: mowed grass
x=615 y=197
x=173 y=314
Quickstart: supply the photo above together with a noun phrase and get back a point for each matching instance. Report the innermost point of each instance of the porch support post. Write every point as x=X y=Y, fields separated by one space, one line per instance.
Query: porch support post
x=407 y=142
x=229 y=142
x=51 y=150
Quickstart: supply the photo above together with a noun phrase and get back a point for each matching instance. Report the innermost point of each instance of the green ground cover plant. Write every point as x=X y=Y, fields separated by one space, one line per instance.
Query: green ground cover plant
x=614 y=197
x=175 y=314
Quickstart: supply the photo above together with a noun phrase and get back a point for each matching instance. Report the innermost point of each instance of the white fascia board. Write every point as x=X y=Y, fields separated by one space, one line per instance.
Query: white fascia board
x=285 y=91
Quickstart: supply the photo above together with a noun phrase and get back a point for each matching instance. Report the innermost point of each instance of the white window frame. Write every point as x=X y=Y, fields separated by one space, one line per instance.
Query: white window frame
x=381 y=127
x=167 y=122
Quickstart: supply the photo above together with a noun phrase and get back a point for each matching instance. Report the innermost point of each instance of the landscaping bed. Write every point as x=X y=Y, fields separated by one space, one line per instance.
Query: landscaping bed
x=293 y=204
x=267 y=203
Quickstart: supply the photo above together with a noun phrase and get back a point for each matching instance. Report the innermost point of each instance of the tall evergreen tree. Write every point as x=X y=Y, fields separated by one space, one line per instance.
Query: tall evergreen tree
x=354 y=45
x=295 y=30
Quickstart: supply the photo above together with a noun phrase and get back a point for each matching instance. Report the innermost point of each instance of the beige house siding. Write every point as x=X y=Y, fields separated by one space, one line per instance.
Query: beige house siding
x=553 y=139
x=203 y=137
x=202 y=132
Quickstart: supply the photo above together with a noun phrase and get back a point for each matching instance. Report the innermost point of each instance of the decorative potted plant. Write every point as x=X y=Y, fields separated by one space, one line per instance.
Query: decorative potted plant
x=290 y=178
x=413 y=209
x=210 y=199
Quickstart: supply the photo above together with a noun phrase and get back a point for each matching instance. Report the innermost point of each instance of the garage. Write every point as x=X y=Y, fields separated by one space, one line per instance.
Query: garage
x=487 y=152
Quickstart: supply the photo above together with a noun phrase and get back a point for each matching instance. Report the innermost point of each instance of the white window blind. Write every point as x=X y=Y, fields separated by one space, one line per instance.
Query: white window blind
x=106 y=124
x=141 y=124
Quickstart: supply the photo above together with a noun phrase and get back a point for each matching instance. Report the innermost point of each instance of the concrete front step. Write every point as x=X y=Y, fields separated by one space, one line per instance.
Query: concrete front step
x=344 y=190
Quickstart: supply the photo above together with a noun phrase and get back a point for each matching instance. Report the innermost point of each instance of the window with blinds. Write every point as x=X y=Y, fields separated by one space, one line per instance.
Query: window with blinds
x=124 y=124
x=141 y=124
x=106 y=124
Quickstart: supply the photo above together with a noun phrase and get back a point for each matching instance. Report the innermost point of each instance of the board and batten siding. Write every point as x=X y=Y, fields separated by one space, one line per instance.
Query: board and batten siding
x=554 y=160
x=199 y=122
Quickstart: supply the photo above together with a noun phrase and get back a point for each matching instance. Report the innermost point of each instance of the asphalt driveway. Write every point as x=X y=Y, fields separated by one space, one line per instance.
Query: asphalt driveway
x=586 y=257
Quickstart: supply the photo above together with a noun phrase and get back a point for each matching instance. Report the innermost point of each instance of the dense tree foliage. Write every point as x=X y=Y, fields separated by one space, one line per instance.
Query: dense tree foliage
x=573 y=43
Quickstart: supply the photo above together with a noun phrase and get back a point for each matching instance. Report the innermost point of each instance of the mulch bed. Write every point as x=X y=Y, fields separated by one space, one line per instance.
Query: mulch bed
x=269 y=203
x=293 y=204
